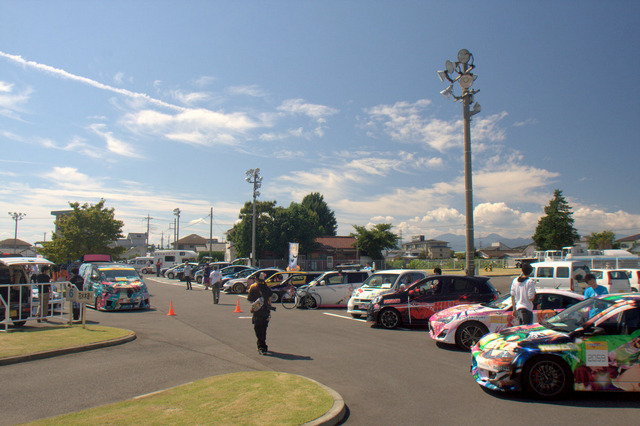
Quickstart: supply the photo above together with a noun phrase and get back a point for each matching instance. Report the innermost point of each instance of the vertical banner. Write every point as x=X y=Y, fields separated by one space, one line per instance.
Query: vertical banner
x=293 y=257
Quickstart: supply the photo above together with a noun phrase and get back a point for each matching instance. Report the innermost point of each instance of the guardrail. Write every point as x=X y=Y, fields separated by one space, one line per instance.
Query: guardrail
x=18 y=303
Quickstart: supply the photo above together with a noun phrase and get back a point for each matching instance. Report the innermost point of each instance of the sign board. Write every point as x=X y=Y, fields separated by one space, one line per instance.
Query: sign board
x=79 y=296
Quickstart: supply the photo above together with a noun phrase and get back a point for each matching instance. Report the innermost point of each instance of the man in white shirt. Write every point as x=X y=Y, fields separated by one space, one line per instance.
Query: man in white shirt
x=523 y=291
x=216 y=282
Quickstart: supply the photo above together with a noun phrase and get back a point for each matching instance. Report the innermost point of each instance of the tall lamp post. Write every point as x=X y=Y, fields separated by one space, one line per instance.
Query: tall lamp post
x=176 y=212
x=17 y=217
x=253 y=176
x=460 y=71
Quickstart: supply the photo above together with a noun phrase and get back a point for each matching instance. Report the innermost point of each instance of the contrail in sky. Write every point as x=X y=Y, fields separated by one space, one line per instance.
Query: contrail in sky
x=66 y=75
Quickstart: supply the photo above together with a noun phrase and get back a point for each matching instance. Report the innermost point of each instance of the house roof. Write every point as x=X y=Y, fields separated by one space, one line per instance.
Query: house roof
x=336 y=242
x=630 y=238
x=9 y=242
x=192 y=239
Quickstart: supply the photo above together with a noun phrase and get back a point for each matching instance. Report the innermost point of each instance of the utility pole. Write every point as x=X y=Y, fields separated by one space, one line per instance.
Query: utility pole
x=253 y=176
x=176 y=212
x=211 y=233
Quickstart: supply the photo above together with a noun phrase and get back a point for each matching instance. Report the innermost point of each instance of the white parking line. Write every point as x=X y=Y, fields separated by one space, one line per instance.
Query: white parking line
x=344 y=316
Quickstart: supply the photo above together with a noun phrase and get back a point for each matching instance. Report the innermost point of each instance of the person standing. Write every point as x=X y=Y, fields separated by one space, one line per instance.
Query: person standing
x=216 y=283
x=206 y=278
x=44 y=289
x=78 y=281
x=158 y=267
x=261 y=311
x=594 y=290
x=523 y=291
x=187 y=275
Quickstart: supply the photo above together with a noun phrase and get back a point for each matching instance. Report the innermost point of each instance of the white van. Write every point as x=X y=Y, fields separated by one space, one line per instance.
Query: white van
x=141 y=264
x=381 y=282
x=614 y=280
x=563 y=274
x=171 y=258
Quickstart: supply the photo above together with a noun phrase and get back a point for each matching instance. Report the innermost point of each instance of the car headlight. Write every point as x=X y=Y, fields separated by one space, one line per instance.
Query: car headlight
x=446 y=320
x=376 y=300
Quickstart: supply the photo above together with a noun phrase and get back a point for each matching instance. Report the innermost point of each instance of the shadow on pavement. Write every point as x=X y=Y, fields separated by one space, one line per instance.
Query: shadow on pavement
x=288 y=357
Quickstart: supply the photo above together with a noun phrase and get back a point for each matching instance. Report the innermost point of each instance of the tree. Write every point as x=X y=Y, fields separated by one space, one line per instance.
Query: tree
x=372 y=242
x=555 y=230
x=327 y=223
x=87 y=229
x=295 y=224
x=241 y=232
x=601 y=241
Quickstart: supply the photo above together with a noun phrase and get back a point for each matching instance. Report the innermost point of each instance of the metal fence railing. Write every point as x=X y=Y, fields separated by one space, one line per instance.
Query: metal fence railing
x=20 y=303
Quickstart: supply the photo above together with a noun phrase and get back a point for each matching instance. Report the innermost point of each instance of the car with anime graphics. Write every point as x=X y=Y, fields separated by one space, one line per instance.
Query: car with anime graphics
x=115 y=286
x=415 y=304
x=464 y=325
x=591 y=346
x=381 y=282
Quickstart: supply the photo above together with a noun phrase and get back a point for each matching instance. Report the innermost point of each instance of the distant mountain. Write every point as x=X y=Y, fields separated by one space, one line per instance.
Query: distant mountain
x=458 y=242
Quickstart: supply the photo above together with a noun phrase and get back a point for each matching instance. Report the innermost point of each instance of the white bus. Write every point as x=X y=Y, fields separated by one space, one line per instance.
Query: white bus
x=171 y=258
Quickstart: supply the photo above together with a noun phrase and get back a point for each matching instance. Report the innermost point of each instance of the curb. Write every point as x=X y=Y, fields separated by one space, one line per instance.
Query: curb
x=73 y=349
x=336 y=413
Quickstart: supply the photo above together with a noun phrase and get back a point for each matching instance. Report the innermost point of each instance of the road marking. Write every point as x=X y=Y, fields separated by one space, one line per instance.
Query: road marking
x=344 y=316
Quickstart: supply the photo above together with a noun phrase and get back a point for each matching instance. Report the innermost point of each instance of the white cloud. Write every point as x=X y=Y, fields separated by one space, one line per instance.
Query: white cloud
x=250 y=90
x=114 y=145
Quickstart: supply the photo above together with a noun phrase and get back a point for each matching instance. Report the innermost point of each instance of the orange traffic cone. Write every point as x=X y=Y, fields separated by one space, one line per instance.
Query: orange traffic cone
x=238 y=310
x=171 y=309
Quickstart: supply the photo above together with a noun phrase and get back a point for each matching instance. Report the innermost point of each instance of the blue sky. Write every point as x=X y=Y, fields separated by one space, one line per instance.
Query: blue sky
x=157 y=105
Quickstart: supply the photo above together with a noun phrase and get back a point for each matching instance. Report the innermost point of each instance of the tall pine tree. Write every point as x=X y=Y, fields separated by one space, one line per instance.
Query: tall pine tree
x=555 y=230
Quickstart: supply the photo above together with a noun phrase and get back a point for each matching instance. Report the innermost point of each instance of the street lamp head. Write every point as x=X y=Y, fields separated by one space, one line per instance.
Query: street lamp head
x=447 y=92
x=443 y=75
x=449 y=66
x=476 y=109
x=464 y=56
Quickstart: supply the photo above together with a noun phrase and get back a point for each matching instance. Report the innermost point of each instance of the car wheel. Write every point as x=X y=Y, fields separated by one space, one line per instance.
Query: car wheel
x=469 y=333
x=389 y=319
x=547 y=377
x=275 y=297
x=199 y=280
x=170 y=275
x=309 y=302
x=238 y=288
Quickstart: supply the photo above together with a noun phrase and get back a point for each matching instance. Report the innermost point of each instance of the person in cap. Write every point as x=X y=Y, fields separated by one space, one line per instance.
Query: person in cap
x=260 y=298
x=523 y=291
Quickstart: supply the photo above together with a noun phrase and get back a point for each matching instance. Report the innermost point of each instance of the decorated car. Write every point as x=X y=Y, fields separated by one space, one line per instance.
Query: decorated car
x=591 y=346
x=464 y=325
x=415 y=304
x=115 y=286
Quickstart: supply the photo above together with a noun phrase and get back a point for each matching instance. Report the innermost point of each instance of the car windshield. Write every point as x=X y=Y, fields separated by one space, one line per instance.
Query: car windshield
x=119 y=274
x=575 y=316
x=503 y=302
x=245 y=273
x=380 y=281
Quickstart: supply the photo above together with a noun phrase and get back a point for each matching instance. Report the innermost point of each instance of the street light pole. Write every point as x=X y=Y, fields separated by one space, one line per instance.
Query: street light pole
x=465 y=78
x=17 y=217
x=253 y=176
x=176 y=212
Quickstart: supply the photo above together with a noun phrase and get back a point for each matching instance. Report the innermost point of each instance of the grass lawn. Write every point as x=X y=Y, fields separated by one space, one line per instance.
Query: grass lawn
x=247 y=398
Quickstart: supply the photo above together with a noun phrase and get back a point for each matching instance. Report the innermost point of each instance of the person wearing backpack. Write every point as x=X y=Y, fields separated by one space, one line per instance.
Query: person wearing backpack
x=260 y=298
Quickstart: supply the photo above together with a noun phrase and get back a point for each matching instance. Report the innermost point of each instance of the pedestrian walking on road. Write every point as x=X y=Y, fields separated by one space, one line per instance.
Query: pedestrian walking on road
x=523 y=291
x=260 y=298
x=78 y=281
x=206 y=276
x=216 y=283
x=187 y=275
